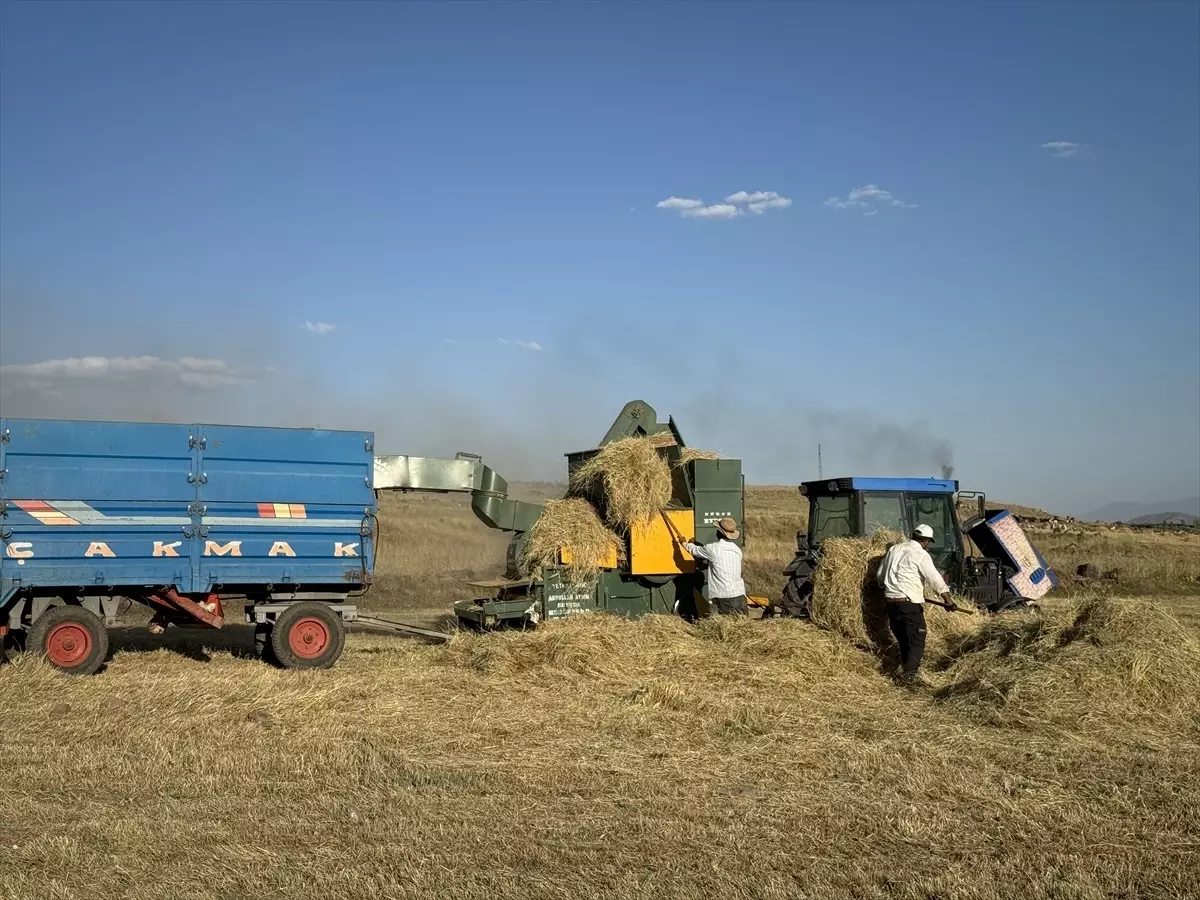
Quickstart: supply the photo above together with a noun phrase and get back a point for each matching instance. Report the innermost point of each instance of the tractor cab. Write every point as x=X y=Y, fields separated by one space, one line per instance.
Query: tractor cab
x=857 y=507
x=1010 y=574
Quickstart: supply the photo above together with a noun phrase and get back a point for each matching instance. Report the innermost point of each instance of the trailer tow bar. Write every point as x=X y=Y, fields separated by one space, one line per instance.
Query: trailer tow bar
x=399 y=628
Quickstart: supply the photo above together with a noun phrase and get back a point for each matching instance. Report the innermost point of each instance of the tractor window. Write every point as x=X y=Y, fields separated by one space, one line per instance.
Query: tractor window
x=830 y=517
x=935 y=510
x=883 y=511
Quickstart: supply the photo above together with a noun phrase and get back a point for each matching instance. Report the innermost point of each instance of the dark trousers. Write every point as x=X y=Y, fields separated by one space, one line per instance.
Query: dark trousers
x=731 y=606
x=908 y=625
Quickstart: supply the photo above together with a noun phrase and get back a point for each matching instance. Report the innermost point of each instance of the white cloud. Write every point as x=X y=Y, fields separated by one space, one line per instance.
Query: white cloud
x=739 y=204
x=52 y=374
x=321 y=328
x=449 y=341
x=525 y=345
x=774 y=203
x=870 y=198
x=1063 y=149
x=716 y=211
x=678 y=203
x=756 y=197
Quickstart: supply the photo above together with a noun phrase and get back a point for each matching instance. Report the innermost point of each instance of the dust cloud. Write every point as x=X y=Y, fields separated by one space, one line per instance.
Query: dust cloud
x=522 y=418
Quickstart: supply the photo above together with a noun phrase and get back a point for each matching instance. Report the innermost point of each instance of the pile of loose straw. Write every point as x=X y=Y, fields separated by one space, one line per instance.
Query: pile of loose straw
x=847 y=599
x=1123 y=671
x=687 y=454
x=628 y=479
x=571 y=523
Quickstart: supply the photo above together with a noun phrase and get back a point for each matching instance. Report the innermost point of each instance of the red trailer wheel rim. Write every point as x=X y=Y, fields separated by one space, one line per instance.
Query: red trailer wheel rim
x=68 y=644
x=309 y=638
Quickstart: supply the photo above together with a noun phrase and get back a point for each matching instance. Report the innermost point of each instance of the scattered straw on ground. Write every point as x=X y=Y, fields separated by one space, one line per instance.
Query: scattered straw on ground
x=1123 y=669
x=631 y=759
x=629 y=479
x=570 y=523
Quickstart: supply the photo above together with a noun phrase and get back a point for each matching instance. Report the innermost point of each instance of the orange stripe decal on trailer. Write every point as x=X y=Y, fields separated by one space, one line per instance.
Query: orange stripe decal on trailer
x=44 y=512
x=282 y=511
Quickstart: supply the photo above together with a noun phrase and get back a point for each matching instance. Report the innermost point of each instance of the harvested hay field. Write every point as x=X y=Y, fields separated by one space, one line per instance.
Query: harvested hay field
x=570 y=523
x=604 y=758
x=628 y=479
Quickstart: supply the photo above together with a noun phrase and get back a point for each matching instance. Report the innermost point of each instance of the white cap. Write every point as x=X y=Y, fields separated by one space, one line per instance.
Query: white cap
x=923 y=531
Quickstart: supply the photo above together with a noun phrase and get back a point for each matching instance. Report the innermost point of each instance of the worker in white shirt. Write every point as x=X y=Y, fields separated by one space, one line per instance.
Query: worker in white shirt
x=726 y=589
x=906 y=568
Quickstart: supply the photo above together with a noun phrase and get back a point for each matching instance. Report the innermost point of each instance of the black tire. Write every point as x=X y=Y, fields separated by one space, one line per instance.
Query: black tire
x=308 y=635
x=262 y=644
x=71 y=638
x=14 y=642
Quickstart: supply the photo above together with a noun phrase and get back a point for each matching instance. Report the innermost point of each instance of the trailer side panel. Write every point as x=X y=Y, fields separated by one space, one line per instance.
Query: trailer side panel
x=121 y=507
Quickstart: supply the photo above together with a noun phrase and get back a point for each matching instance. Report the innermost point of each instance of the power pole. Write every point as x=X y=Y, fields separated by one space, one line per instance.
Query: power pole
x=820 y=468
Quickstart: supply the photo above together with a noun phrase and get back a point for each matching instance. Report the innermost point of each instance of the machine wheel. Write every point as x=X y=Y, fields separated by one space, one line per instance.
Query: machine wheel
x=309 y=635
x=71 y=638
x=1010 y=603
x=262 y=644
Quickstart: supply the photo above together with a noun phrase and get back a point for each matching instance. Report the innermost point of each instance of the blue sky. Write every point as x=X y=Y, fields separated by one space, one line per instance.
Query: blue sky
x=443 y=223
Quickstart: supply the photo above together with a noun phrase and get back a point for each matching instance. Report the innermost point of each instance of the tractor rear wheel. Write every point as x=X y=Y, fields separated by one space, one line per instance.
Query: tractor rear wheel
x=71 y=638
x=308 y=635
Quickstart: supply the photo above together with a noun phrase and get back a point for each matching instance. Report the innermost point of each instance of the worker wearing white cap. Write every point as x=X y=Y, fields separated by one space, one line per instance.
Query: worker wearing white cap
x=906 y=568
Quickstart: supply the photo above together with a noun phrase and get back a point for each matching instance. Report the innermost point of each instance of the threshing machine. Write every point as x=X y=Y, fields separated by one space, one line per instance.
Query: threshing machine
x=1009 y=575
x=182 y=518
x=652 y=574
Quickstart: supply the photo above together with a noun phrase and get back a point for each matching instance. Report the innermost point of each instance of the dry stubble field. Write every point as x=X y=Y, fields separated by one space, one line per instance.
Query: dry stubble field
x=616 y=759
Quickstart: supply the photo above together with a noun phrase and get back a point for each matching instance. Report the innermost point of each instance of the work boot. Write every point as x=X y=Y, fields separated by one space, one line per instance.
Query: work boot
x=913 y=681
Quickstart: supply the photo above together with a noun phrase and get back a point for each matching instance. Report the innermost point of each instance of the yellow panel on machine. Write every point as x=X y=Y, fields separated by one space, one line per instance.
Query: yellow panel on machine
x=609 y=561
x=654 y=549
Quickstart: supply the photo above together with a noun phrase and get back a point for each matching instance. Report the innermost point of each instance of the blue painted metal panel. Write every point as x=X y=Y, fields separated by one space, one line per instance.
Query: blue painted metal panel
x=895 y=485
x=51 y=459
x=286 y=465
x=921 y=485
x=278 y=554
x=129 y=505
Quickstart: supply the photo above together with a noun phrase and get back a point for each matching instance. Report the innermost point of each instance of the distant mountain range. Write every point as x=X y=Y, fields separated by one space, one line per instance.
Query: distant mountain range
x=1166 y=519
x=1148 y=513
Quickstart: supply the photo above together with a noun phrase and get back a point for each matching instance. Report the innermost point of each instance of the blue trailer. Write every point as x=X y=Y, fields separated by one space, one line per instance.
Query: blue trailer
x=181 y=518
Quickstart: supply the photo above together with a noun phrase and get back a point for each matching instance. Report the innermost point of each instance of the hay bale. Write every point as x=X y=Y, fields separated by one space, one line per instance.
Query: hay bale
x=847 y=599
x=629 y=479
x=1124 y=671
x=570 y=523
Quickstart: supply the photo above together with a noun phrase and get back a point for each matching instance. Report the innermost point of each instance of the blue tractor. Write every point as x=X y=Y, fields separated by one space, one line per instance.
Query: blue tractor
x=1010 y=573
